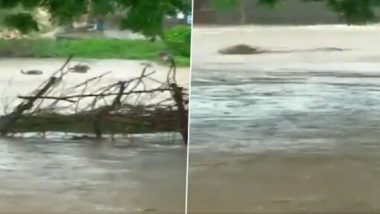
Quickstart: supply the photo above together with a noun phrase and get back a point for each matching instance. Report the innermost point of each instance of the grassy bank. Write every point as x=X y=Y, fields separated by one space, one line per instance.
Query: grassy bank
x=86 y=48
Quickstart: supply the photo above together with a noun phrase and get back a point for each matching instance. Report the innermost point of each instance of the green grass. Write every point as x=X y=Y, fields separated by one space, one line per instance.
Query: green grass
x=87 y=48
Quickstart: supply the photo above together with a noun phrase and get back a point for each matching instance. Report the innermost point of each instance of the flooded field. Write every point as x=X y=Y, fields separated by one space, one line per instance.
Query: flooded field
x=55 y=176
x=294 y=132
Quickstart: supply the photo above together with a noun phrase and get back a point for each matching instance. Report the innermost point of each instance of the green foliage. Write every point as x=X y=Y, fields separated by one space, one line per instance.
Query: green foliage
x=232 y=4
x=87 y=48
x=22 y=21
x=102 y=7
x=178 y=40
x=351 y=11
x=23 y=3
x=64 y=12
x=8 y=3
x=221 y=5
x=269 y=3
x=145 y=16
x=138 y=16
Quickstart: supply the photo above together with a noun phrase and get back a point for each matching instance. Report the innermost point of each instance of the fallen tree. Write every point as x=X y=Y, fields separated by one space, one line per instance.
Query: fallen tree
x=137 y=105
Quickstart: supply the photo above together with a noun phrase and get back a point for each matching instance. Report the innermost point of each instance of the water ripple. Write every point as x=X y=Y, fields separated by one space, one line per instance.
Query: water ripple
x=257 y=110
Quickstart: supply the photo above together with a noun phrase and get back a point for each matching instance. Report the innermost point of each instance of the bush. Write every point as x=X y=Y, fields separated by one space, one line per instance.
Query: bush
x=178 y=40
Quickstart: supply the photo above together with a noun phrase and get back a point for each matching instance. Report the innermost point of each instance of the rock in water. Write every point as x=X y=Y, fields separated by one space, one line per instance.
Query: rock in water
x=241 y=49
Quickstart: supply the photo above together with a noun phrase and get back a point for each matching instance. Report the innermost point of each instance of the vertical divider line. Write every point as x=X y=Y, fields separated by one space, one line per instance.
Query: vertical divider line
x=189 y=111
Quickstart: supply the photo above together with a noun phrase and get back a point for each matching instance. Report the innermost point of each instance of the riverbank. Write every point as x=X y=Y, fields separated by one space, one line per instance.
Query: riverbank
x=87 y=48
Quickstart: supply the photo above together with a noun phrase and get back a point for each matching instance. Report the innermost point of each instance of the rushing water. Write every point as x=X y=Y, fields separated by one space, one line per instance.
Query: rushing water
x=292 y=101
x=13 y=83
x=285 y=133
x=147 y=174
x=286 y=109
x=55 y=176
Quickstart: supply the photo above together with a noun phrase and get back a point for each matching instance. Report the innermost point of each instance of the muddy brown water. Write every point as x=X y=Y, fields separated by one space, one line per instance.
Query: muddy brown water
x=59 y=175
x=13 y=83
x=285 y=133
x=66 y=176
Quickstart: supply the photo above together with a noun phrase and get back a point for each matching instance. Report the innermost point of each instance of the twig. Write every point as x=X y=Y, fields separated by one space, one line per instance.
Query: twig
x=48 y=97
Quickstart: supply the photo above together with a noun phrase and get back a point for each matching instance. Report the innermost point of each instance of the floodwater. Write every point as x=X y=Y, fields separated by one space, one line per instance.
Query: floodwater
x=13 y=83
x=66 y=176
x=138 y=174
x=290 y=132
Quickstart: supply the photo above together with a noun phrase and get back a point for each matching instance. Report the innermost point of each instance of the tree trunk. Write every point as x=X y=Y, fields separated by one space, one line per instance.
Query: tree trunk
x=8 y=120
x=182 y=113
x=96 y=127
x=243 y=15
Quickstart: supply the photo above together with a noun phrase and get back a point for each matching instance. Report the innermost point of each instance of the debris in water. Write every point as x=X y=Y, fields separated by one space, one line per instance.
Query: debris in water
x=241 y=49
x=80 y=68
x=32 y=72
